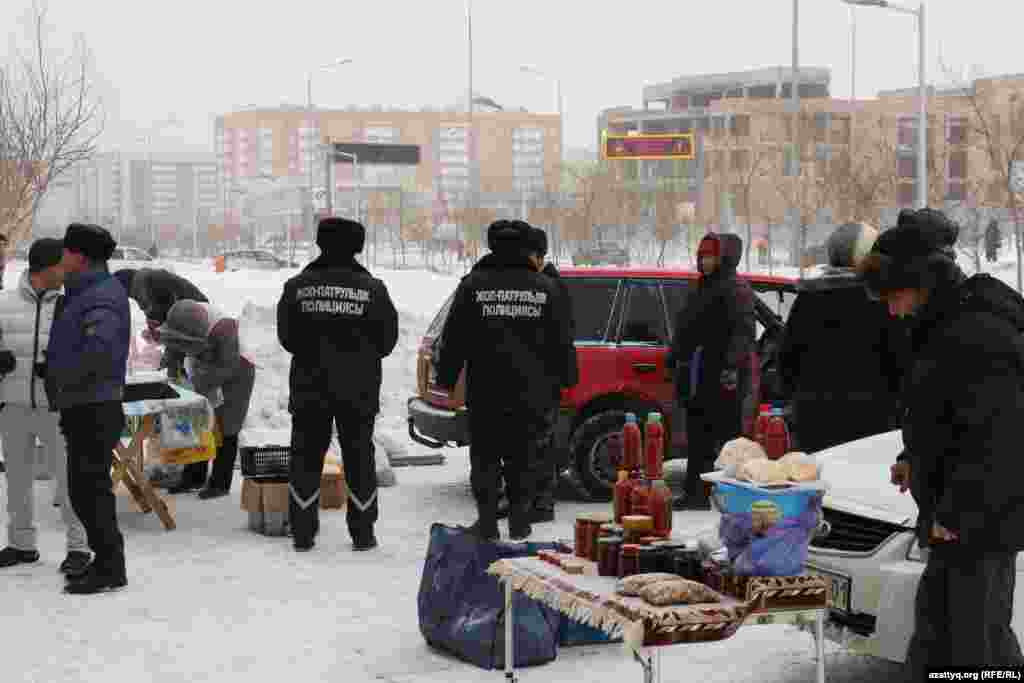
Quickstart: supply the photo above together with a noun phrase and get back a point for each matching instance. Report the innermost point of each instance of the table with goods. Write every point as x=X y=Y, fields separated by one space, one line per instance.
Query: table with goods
x=186 y=425
x=630 y=577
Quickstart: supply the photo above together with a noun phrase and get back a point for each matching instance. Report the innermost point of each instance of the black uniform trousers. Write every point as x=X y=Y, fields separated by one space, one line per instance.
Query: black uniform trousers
x=544 y=470
x=500 y=446
x=92 y=431
x=311 y=436
x=708 y=427
x=963 y=612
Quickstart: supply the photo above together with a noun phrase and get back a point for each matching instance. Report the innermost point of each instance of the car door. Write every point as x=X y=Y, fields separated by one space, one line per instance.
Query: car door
x=594 y=303
x=676 y=293
x=643 y=342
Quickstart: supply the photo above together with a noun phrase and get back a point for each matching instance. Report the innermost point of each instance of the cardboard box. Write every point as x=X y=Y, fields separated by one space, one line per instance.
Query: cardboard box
x=267 y=505
x=333 y=491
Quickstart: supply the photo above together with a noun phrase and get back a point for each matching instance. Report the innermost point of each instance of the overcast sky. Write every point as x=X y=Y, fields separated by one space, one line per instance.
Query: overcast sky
x=197 y=58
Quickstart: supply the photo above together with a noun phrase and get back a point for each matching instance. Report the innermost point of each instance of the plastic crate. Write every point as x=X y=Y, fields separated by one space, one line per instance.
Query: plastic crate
x=266 y=462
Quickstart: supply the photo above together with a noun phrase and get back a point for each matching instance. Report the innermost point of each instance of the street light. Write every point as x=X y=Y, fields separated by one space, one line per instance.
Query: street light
x=922 y=121
x=309 y=106
x=561 y=125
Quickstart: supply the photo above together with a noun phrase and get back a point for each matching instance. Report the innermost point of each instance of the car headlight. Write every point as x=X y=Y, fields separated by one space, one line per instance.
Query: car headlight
x=916 y=553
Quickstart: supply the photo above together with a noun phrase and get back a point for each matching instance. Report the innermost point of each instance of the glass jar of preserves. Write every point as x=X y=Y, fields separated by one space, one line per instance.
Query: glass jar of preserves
x=629 y=560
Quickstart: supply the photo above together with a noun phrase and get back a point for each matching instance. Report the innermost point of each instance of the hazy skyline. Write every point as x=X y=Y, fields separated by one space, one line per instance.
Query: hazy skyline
x=195 y=60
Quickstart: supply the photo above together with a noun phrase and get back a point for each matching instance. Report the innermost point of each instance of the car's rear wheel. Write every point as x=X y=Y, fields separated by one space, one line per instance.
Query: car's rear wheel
x=590 y=454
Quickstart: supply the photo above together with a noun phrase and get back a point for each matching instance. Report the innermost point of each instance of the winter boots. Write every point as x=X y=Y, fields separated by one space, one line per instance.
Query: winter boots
x=519 y=518
x=76 y=564
x=10 y=557
x=93 y=581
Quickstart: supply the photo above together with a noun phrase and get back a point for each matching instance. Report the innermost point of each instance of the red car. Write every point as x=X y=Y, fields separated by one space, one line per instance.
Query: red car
x=624 y=326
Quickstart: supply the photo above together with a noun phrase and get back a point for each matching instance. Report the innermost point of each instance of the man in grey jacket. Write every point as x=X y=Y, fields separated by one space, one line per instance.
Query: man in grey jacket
x=26 y=314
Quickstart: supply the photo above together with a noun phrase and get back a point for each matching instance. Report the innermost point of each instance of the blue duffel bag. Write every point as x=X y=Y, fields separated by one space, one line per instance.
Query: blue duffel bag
x=462 y=608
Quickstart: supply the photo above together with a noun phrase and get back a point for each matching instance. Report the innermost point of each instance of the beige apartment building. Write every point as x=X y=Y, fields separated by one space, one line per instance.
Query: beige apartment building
x=743 y=136
x=267 y=158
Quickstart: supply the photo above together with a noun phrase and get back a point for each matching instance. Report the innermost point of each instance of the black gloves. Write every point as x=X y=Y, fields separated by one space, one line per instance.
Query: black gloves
x=41 y=370
x=7 y=362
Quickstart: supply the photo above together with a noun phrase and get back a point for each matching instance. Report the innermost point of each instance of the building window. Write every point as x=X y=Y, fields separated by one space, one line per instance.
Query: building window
x=739 y=160
x=906 y=167
x=956 y=130
x=955 y=192
x=741 y=125
x=958 y=165
x=822 y=122
x=906 y=131
x=380 y=134
x=906 y=193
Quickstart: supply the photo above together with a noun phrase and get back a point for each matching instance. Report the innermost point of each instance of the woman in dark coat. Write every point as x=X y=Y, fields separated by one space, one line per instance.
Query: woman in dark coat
x=155 y=290
x=718 y=321
x=842 y=356
x=210 y=343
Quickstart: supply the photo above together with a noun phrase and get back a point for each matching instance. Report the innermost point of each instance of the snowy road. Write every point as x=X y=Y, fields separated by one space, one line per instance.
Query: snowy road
x=214 y=602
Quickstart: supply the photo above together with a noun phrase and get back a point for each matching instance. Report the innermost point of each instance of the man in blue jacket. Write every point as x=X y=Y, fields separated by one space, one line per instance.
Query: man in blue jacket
x=86 y=361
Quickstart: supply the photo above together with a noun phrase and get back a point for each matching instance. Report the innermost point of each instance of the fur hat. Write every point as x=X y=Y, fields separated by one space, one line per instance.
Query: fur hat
x=506 y=235
x=340 y=236
x=850 y=244
x=538 y=241
x=92 y=240
x=44 y=253
x=916 y=254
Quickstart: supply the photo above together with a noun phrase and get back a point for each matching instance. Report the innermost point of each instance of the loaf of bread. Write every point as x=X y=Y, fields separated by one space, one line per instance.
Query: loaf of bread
x=763 y=471
x=738 y=451
x=677 y=591
x=799 y=467
x=632 y=585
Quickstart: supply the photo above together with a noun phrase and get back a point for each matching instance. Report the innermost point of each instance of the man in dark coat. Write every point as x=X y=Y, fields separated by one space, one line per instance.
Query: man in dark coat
x=338 y=322
x=545 y=470
x=155 y=290
x=86 y=361
x=713 y=344
x=842 y=356
x=963 y=406
x=507 y=327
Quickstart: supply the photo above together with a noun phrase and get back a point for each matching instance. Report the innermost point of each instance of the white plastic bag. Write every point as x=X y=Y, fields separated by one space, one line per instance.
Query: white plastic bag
x=737 y=452
x=177 y=431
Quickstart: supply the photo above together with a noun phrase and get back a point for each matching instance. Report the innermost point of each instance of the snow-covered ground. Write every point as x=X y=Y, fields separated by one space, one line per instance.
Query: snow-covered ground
x=212 y=601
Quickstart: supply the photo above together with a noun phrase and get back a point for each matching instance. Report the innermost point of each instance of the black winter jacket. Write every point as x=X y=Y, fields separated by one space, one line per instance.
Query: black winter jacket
x=839 y=350
x=718 y=316
x=338 y=322
x=964 y=414
x=507 y=327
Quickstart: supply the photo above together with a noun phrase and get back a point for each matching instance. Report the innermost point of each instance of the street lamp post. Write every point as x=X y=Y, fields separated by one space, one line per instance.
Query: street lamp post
x=922 y=121
x=311 y=145
x=561 y=129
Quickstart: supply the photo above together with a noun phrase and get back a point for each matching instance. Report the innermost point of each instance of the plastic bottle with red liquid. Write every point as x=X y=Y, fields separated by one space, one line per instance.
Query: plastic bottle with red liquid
x=631 y=451
x=774 y=433
x=620 y=497
x=654 y=435
x=659 y=496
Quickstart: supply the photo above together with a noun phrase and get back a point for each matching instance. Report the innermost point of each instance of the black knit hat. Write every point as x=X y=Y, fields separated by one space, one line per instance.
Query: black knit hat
x=916 y=254
x=340 y=236
x=44 y=253
x=538 y=241
x=506 y=235
x=92 y=240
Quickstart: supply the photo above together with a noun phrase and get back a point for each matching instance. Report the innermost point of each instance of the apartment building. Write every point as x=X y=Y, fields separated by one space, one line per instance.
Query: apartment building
x=743 y=138
x=494 y=158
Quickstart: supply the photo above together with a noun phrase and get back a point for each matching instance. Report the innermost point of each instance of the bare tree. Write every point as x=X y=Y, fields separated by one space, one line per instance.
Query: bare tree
x=868 y=170
x=997 y=123
x=50 y=120
x=760 y=164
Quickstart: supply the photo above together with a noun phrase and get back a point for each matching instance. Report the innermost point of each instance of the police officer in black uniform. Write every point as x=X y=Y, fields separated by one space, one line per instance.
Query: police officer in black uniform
x=505 y=326
x=338 y=322
x=547 y=463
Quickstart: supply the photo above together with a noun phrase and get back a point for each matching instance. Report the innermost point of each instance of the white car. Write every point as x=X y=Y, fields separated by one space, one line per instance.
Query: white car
x=253 y=259
x=132 y=257
x=869 y=550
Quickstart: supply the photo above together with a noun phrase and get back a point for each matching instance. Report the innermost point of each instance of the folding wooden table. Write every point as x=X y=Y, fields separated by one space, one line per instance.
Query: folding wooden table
x=128 y=458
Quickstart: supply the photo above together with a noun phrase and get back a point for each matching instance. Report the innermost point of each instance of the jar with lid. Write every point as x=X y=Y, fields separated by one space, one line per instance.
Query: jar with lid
x=669 y=549
x=629 y=560
x=608 y=549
